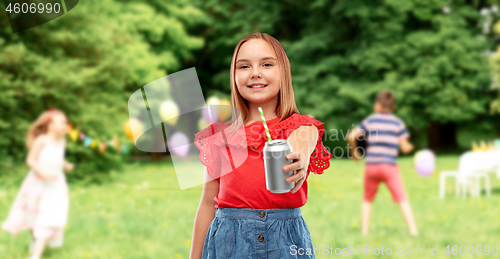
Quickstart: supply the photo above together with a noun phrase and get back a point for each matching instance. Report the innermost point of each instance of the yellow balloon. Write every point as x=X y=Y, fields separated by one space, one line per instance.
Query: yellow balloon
x=169 y=112
x=73 y=135
x=132 y=125
x=203 y=124
x=93 y=144
x=224 y=109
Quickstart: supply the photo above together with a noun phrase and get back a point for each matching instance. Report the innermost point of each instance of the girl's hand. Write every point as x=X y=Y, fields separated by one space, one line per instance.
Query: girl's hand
x=47 y=175
x=300 y=171
x=68 y=167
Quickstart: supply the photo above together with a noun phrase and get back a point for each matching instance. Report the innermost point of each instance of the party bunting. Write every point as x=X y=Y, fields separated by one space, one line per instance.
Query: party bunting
x=124 y=149
x=116 y=144
x=102 y=148
x=92 y=143
x=87 y=141
x=73 y=134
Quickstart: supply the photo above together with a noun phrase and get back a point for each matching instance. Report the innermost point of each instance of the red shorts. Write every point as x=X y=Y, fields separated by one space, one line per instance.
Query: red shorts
x=388 y=173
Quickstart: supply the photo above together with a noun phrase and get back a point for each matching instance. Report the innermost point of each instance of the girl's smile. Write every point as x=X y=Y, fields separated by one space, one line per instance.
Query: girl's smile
x=257 y=86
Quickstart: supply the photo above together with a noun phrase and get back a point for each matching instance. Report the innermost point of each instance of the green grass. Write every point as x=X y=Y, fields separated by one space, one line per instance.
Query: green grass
x=142 y=213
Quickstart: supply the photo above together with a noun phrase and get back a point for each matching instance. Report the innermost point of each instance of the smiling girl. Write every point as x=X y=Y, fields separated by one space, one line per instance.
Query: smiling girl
x=237 y=216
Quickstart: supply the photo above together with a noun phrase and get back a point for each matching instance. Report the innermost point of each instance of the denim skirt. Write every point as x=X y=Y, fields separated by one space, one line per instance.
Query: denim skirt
x=256 y=233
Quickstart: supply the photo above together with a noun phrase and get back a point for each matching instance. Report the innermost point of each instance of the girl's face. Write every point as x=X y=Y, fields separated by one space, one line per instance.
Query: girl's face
x=58 y=124
x=257 y=72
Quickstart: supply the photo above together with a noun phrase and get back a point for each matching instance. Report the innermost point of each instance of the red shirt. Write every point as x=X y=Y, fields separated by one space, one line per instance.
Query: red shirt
x=245 y=185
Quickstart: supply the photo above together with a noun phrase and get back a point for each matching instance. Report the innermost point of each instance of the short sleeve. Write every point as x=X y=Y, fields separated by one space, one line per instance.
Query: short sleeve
x=320 y=157
x=363 y=126
x=403 y=132
x=209 y=155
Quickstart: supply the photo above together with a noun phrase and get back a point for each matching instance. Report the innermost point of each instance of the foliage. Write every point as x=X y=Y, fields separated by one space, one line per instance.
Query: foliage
x=343 y=52
x=87 y=63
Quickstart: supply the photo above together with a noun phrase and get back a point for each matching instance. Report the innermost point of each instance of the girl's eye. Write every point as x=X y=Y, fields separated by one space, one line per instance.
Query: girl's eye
x=243 y=66
x=268 y=65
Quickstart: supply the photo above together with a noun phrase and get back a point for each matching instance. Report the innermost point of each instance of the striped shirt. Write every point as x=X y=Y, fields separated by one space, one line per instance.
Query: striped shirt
x=382 y=132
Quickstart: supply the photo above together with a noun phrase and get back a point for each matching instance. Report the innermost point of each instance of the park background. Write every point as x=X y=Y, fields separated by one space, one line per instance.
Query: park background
x=439 y=58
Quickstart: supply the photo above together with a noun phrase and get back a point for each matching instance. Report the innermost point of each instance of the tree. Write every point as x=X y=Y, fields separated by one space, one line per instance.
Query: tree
x=87 y=63
x=343 y=52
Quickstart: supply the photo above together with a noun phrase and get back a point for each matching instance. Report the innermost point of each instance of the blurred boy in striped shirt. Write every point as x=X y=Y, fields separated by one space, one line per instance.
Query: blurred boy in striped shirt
x=385 y=134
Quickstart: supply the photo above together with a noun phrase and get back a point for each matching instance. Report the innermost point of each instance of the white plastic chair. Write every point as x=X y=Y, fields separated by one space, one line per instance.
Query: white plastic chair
x=442 y=182
x=472 y=167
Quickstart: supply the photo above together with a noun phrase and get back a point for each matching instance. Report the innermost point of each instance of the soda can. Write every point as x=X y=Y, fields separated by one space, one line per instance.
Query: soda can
x=274 y=159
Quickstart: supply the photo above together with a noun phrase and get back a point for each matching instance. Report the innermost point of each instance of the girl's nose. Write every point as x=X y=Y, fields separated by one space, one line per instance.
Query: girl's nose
x=256 y=74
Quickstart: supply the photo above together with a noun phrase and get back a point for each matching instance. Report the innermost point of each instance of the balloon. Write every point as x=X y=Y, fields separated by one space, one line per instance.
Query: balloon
x=73 y=135
x=179 y=144
x=102 y=148
x=132 y=125
x=93 y=144
x=70 y=127
x=213 y=101
x=202 y=124
x=224 y=109
x=213 y=114
x=87 y=141
x=82 y=136
x=169 y=112
x=425 y=162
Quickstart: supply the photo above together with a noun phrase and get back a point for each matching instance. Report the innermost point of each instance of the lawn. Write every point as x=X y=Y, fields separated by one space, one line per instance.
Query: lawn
x=142 y=213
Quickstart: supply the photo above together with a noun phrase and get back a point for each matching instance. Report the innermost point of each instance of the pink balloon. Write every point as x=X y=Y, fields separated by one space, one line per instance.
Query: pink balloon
x=178 y=144
x=425 y=162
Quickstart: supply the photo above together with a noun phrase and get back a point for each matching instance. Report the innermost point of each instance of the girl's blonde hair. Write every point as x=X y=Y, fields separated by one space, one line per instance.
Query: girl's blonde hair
x=40 y=125
x=286 y=101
